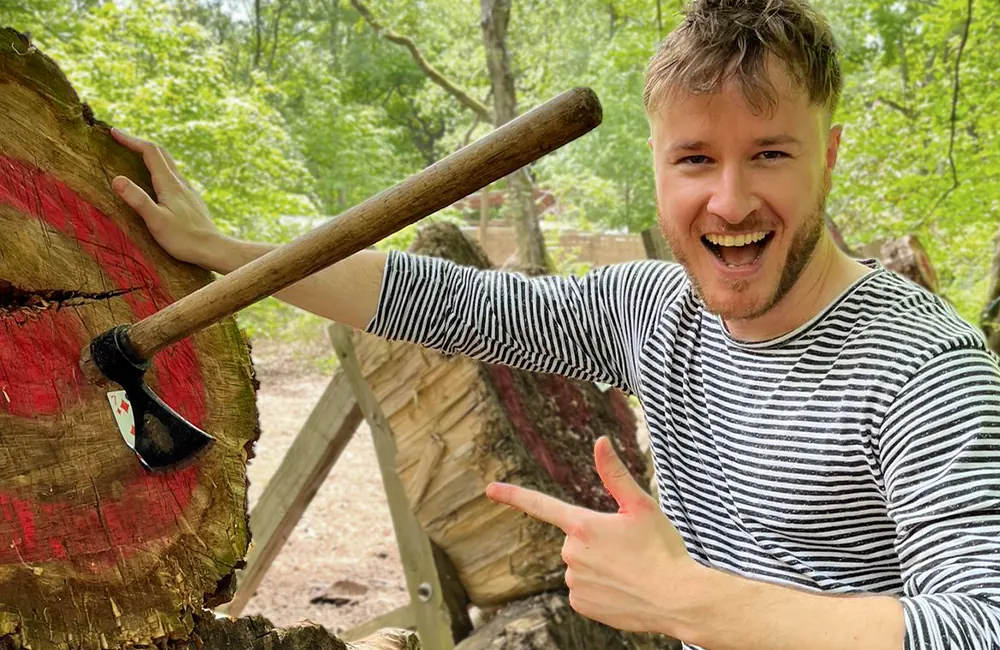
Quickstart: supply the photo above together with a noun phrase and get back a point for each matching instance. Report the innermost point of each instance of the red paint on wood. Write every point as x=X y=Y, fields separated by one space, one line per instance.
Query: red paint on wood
x=524 y=428
x=569 y=402
x=627 y=433
x=39 y=353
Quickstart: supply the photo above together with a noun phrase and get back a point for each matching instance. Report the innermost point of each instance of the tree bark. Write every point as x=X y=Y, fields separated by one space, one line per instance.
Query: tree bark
x=96 y=552
x=495 y=17
x=258 y=29
x=484 y=215
x=257 y=633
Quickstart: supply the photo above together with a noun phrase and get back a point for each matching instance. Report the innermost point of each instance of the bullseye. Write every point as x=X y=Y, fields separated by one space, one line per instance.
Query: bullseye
x=40 y=380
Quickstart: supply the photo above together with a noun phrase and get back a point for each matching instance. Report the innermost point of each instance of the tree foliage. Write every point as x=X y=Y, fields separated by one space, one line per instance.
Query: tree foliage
x=299 y=108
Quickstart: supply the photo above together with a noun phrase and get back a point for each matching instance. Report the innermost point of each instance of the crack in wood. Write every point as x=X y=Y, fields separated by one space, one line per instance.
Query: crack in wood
x=14 y=298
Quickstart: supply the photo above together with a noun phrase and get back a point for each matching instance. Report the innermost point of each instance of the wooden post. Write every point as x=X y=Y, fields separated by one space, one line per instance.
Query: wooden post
x=440 y=616
x=323 y=437
x=655 y=245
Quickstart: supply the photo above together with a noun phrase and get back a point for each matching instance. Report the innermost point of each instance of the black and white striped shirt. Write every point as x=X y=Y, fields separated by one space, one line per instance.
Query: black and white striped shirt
x=859 y=453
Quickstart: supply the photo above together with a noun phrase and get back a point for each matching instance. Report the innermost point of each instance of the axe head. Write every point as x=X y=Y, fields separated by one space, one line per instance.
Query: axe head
x=163 y=439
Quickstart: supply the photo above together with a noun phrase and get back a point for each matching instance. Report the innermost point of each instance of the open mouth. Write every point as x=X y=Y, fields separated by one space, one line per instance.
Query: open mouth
x=738 y=250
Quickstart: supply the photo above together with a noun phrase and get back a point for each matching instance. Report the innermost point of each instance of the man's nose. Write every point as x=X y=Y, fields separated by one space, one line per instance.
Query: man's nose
x=733 y=199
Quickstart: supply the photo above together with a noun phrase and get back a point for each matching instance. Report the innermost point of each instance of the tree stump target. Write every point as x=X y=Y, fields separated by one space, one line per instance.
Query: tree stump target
x=95 y=551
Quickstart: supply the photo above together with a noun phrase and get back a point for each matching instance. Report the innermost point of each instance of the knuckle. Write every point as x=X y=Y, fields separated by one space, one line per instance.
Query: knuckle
x=578 y=529
x=570 y=579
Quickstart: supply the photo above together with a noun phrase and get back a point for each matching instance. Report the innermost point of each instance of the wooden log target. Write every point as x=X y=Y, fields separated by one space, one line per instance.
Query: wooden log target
x=95 y=551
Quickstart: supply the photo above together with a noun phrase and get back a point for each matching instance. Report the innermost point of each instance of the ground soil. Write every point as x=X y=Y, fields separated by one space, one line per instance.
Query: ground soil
x=340 y=566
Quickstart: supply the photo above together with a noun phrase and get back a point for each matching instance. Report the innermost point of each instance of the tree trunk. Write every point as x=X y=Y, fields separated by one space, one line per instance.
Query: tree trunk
x=258 y=28
x=96 y=552
x=990 y=320
x=907 y=257
x=460 y=423
x=547 y=622
x=495 y=18
x=484 y=215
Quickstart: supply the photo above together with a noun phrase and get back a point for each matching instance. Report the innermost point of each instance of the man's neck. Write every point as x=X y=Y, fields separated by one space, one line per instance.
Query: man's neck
x=827 y=275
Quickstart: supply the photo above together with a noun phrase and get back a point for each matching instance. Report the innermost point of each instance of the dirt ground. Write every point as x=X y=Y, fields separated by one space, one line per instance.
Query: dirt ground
x=340 y=566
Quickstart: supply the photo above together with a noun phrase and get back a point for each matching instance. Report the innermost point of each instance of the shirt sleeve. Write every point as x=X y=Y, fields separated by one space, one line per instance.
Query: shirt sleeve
x=583 y=327
x=940 y=459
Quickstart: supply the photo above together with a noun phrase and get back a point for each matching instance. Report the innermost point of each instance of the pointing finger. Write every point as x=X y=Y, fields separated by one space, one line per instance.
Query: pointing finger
x=534 y=504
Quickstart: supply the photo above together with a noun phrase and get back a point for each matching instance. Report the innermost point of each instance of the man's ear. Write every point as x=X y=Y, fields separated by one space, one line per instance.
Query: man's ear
x=832 y=147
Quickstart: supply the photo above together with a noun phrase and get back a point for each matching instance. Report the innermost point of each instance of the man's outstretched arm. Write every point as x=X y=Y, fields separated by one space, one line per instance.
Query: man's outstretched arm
x=346 y=292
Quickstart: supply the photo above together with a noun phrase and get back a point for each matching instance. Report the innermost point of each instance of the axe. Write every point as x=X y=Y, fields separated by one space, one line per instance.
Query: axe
x=163 y=438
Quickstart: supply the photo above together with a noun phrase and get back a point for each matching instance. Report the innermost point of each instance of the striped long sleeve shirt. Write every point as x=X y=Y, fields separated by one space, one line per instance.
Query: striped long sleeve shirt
x=859 y=453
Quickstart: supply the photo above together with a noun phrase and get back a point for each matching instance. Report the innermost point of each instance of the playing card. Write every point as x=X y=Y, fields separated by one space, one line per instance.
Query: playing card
x=122 y=411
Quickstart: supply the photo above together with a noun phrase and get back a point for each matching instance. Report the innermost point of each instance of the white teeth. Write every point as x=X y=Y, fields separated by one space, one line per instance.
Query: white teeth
x=738 y=240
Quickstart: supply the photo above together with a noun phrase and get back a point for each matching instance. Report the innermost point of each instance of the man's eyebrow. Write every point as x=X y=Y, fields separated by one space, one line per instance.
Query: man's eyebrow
x=769 y=141
x=689 y=145
x=773 y=140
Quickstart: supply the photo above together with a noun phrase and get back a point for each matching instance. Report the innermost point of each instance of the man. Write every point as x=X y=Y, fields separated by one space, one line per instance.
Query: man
x=826 y=435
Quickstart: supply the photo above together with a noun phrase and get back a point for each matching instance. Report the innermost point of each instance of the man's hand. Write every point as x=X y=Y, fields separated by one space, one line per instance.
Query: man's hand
x=179 y=221
x=620 y=567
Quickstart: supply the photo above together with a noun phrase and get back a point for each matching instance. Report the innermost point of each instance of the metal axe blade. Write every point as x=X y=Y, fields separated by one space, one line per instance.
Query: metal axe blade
x=163 y=438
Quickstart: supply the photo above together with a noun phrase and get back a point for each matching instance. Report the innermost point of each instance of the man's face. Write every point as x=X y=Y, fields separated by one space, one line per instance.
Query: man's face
x=740 y=194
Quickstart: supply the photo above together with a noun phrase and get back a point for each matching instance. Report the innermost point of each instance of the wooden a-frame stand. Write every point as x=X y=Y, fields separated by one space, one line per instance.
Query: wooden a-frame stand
x=438 y=605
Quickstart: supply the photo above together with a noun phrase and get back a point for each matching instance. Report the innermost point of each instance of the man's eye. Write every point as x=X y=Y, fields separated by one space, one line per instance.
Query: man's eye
x=772 y=155
x=694 y=160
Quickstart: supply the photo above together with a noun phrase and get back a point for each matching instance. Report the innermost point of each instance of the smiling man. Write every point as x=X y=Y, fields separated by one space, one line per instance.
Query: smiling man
x=826 y=435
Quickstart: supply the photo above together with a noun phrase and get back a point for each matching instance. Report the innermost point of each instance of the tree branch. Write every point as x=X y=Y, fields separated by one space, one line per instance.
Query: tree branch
x=451 y=88
x=468 y=136
x=908 y=112
x=954 y=116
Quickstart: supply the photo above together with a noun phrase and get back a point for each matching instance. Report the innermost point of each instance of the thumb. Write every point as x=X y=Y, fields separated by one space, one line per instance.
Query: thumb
x=617 y=479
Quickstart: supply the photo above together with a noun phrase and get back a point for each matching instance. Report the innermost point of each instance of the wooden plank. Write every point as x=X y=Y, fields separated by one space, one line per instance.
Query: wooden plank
x=438 y=601
x=323 y=437
x=401 y=617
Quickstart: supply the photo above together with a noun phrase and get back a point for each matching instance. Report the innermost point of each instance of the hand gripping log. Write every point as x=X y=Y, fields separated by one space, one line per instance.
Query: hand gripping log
x=162 y=437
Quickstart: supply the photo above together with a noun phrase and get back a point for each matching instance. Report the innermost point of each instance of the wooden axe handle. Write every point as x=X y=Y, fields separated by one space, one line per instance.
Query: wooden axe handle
x=502 y=152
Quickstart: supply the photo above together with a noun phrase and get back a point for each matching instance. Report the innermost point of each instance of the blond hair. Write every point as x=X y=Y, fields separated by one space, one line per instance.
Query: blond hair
x=734 y=40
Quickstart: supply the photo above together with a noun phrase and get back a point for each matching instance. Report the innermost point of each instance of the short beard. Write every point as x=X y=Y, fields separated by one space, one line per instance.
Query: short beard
x=800 y=251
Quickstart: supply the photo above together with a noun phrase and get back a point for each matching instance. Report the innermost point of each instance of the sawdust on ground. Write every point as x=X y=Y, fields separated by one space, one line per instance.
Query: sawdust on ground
x=340 y=567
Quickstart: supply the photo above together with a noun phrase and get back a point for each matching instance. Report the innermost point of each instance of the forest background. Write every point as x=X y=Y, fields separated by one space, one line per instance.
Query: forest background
x=286 y=112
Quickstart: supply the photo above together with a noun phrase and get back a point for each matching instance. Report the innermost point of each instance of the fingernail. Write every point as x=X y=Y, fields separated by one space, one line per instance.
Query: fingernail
x=119 y=184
